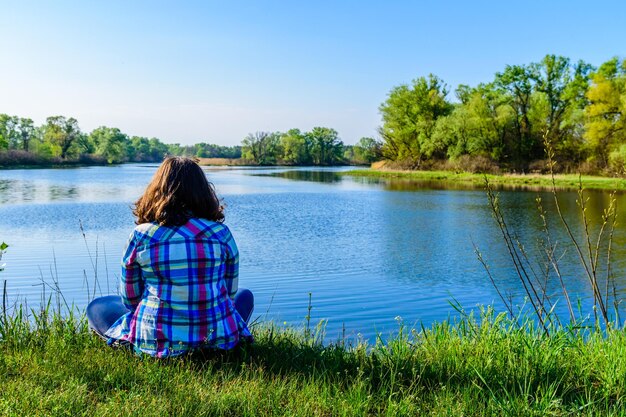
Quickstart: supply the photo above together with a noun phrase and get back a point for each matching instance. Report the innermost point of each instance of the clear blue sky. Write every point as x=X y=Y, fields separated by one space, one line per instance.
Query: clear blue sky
x=214 y=71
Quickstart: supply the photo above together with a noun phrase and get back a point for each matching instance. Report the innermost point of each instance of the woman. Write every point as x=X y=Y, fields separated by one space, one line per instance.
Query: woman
x=179 y=272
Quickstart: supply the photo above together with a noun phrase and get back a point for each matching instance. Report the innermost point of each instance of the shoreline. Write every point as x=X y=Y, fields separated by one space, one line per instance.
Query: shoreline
x=529 y=181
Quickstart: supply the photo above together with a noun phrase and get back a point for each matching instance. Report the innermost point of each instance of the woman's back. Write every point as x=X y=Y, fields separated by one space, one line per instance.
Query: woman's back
x=180 y=280
x=179 y=270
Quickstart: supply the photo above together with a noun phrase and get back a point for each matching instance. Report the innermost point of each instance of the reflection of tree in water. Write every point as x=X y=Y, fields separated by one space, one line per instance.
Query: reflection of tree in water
x=62 y=193
x=5 y=190
x=520 y=210
x=522 y=217
x=313 y=176
x=14 y=191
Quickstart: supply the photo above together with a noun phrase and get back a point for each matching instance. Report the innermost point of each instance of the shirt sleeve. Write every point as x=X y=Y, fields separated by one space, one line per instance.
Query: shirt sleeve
x=232 y=265
x=132 y=284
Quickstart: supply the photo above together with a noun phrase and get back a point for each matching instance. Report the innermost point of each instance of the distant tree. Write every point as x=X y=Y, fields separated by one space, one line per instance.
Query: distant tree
x=562 y=87
x=478 y=125
x=517 y=83
x=409 y=117
x=83 y=144
x=606 y=112
x=62 y=132
x=138 y=150
x=110 y=143
x=261 y=147
x=209 y=150
x=158 y=150
x=296 y=147
x=367 y=150
x=326 y=147
x=9 y=133
x=26 y=130
x=176 y=150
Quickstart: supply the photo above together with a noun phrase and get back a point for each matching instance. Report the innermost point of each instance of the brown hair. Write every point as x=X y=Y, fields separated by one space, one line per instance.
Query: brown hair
x=179 y=190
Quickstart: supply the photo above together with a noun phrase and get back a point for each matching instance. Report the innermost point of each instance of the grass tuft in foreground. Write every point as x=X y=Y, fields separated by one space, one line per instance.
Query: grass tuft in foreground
x=486 y=365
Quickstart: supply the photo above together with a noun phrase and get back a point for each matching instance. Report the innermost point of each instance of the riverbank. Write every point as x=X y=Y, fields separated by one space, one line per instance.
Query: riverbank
x=473 y=367
x=26 y=160
x=240 y=162
x=223 y=162
x=530 y=181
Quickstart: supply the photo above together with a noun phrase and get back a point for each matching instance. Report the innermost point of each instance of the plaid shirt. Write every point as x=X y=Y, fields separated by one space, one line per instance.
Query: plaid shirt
x=178 y=283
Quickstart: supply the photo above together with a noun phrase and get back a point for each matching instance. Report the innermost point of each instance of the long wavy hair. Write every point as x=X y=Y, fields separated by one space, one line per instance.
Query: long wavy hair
x=178 y=191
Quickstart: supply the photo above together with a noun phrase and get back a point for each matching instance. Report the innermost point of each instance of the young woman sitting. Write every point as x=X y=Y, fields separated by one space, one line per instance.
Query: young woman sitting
x=179 y=283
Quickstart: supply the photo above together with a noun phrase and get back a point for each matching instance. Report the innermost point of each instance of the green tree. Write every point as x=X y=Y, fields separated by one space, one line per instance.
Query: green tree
x=138 y=150
x=479 y=125
x=326 y=148
x=367 y=150
x=562 y=88
x=409 y=117
x=606 y=112
x=26 y=130
x=261 y=147
x=62 y=132
x=9 y=133
x=109 y=143
x=517 y=82
x=296 y=147
x=158 y=150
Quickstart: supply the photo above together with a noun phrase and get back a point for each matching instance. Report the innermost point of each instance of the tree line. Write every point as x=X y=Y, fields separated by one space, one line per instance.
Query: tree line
x=578 y=110
x=60 y=140
x=320 y=146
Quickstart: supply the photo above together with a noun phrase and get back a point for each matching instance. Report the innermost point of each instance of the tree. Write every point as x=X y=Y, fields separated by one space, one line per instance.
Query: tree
x=409 y=117
x=517 y=82
x=605 y=129
x=138 y=150
x=326 y=148
x=261 y=147
x=26 y=130
x=296 y=147
x=109 y=143
x=158 y=150
x=62 y=132
x=9 y=134
x=479 y=125
x=562 y=87
x=367 y=150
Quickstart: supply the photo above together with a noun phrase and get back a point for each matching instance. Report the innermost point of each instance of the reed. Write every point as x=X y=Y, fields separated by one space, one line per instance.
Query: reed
x=482 y=363
x=534 y=275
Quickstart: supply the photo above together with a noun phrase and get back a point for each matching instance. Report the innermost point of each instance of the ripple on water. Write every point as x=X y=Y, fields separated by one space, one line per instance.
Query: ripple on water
x=367 y=252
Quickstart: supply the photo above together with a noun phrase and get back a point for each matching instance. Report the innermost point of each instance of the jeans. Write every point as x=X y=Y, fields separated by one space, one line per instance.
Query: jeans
x=102 y=312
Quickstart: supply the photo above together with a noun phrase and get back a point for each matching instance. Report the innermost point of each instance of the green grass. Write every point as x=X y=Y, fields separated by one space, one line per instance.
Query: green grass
x=484 y=366
x=531 y=181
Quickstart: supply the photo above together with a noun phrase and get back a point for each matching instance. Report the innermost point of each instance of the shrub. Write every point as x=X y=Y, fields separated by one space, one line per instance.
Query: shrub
x=617 y=161
x=475 y=164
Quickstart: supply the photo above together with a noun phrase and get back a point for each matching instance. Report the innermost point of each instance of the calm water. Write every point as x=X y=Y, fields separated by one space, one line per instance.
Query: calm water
x=368 y=251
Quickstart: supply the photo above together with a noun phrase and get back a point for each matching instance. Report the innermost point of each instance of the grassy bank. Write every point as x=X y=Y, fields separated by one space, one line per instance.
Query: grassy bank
x=474 y=367
x=531 y=181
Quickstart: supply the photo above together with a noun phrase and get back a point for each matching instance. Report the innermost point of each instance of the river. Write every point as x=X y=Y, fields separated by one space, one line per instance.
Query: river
x=370 y=252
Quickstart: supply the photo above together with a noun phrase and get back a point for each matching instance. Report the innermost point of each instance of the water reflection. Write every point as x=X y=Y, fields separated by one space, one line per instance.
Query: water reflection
x=314 y=176
x=62 y=193
x=410 y=185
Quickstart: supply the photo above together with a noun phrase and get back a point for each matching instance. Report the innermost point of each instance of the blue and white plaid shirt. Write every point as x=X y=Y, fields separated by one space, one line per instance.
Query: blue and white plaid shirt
x=178 y=282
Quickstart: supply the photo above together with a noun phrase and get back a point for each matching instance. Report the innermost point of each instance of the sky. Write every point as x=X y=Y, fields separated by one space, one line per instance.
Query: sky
x=214 y=71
